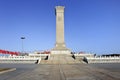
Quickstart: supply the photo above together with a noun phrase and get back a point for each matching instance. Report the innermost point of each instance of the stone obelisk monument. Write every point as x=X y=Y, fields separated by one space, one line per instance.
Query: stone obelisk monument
x=60 y=47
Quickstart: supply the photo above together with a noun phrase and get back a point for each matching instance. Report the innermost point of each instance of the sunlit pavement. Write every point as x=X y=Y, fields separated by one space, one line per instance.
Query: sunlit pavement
x=62 y=72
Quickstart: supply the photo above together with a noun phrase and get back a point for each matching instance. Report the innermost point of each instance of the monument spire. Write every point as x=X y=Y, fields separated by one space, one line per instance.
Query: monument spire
x=60 y=26
x=60 y=42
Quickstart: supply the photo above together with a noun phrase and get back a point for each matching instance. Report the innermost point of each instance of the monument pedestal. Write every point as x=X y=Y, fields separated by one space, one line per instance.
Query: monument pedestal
x=60 y=48
x=60 y=52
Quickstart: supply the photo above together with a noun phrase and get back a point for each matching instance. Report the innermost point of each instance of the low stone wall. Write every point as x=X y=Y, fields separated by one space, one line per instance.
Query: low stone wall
x=9 y=70
x=19 y=59
x=102 y=59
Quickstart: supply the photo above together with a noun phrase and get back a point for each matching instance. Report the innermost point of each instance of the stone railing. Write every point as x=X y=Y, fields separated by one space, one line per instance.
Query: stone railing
x=19 y=59
x=102 y=59
x=84 y=55
x=42 y=56
x=81 y=56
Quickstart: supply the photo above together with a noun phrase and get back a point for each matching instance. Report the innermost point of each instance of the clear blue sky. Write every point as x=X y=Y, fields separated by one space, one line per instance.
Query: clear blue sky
x=90 y=25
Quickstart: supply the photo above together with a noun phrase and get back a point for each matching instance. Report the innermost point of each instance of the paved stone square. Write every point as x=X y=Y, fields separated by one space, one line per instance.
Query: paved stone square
x=62 y=72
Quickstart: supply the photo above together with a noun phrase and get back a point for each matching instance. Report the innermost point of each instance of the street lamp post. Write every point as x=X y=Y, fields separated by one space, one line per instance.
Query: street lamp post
x=22 y=38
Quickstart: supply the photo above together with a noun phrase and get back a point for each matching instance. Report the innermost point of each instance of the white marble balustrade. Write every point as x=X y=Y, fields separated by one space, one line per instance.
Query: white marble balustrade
x=19 y=59
x=103 y=59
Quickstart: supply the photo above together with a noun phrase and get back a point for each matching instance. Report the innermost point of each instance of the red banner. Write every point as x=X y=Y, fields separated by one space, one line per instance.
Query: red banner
x=8 y=52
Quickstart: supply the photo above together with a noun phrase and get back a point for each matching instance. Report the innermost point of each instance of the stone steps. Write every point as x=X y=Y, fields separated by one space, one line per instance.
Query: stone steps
x=61 y=59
